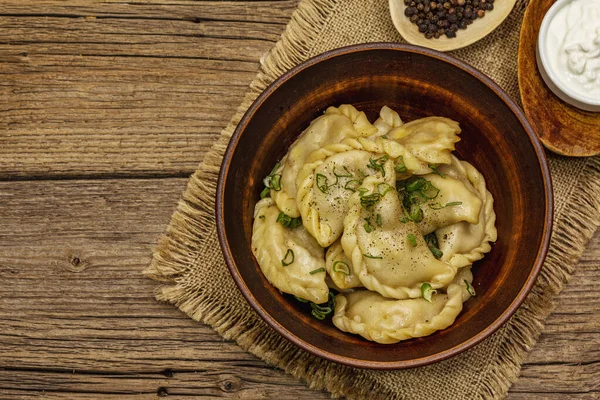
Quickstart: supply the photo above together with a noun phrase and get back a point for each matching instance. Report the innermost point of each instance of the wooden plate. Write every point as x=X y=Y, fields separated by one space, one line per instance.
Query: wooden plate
x=477 y=30
x=562 y=128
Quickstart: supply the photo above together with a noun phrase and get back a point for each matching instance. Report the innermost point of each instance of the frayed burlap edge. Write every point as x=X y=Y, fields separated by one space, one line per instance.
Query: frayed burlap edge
x=193 y=220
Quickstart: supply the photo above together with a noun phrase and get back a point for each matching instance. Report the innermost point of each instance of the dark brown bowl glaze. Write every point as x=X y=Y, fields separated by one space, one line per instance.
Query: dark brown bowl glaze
x=416 y=82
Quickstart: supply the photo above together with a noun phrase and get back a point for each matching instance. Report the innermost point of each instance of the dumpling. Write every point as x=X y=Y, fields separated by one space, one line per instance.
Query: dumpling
x=429 y=139
x=388 y=119
x=387 y=321
x=332 y=127
x=456 y=201
x=463 y=243
x=389 y=256
x=339 y=268
x=288 y=256
x=325 y=185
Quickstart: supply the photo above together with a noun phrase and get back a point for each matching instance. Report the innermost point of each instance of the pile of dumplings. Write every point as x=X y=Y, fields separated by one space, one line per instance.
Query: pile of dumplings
x=384 y=214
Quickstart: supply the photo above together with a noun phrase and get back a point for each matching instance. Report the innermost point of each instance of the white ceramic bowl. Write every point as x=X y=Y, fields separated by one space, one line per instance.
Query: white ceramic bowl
x=550 y=75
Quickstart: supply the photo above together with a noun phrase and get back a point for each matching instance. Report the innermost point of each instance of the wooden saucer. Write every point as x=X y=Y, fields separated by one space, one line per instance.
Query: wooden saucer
x=562 y=128
x=477 y=30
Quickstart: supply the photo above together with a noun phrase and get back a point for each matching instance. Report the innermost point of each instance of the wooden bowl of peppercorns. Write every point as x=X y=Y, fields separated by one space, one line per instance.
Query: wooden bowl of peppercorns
x=446 y=25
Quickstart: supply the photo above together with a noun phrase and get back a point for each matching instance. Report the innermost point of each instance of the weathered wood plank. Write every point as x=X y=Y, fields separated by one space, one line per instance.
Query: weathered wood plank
x=73 y=299
x=117 y=88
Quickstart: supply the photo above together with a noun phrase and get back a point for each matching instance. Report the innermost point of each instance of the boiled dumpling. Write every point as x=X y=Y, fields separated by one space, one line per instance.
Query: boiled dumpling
x=288 y=256
x=463 y=243
x=429 y=139
x=332 y=127
x=339 y=268
x=327 y=180
x=456 y=201
x=388 y=119
x=389 y=256
x=387 y=321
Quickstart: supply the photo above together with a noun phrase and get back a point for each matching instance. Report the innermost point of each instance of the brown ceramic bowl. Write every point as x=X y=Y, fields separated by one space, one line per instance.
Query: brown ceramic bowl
x=416 y=82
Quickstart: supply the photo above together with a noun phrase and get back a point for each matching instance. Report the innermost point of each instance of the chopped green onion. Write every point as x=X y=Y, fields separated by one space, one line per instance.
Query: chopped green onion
x=261 y=216
x=383 y=188
x=348 y=174
x=416 y=213
x=288 y=221
x=435 y=171
x=341 y=267
x=470 y=288
x=377 y=163
x=369 y=201
x=322 y=183
x=412 y=240
x=316 y=271
x=415 y=184
x=320 y=312
x=368 y=227
x=362 y=173
x=432 y=243
x=438 y=206
x=352 y=185
x=362 y=191
x=427 y=291
x=374 y=257
x=301 y=300
x=266 y=192
x=400 y=167
x=378 y=220
x=289 y=258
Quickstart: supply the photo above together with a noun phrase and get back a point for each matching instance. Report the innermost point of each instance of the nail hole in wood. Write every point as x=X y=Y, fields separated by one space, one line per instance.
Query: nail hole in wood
x=162 y=392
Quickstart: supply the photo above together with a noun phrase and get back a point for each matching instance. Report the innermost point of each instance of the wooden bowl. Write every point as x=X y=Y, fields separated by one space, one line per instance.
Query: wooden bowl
x=562 y=128
x=416 y=82
x=480 y=28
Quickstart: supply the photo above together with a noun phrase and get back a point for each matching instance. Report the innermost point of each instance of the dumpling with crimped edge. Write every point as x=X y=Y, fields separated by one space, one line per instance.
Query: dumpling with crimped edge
x=453 y=200
x=326 y=182
x=430 y=139
x=389 y=256
x=464 y=243
x=386 y=321
x=339 y=268
x=287 y=256
x=332 y=127
x=388 y=119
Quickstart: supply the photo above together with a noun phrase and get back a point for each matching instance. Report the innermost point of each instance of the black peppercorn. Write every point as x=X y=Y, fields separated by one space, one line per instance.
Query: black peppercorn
x=451 y=34
x=423 y=28
x=414 y=18
x=428 y=34
x=452 y=18
x=481 y=13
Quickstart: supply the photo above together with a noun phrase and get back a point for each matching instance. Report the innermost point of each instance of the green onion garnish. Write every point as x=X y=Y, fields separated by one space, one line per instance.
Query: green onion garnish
x=435 y=171
x=288 y=221
x=368 y=227
x=374 y=257
x=427 y=291
x=470 y=288
x=369 y=201
x=412 y=240
x=438 y=206
x=266 y=192
x=362 y=173
x=348 y=174
x=378 y=220
x=416 y=213
x=352 y=185
x=400 y=167
x=261 y=216
x=341 y=267
x=383 y=188
x=432 y=243
x=319 y=311
x=301 y=300
x=322 y=183
x=362 y=191
x=377 y=163
x=288 y=259
x=316 y=271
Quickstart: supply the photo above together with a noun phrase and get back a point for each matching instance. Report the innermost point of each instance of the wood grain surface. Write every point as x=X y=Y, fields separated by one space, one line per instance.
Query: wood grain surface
x=98 y=136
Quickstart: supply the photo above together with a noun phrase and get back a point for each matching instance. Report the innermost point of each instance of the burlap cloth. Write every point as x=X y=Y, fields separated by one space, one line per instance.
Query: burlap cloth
x=189 y=262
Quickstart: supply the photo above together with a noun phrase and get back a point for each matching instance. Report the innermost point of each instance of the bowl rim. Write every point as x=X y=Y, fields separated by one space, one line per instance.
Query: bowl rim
x=349 y=361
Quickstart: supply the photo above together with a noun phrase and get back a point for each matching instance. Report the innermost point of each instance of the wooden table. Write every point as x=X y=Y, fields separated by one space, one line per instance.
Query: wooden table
x=106 y=108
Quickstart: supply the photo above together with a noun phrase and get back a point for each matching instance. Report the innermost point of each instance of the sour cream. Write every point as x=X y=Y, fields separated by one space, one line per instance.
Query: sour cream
x=569 y=49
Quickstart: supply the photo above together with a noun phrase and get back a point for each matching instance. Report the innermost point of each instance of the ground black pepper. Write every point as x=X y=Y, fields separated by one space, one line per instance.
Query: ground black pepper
x=435 y=18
